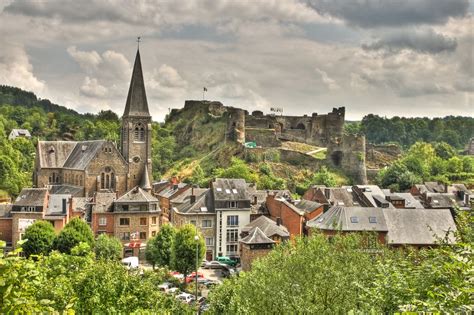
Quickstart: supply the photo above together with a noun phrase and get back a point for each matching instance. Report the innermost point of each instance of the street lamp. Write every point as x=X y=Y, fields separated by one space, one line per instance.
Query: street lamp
x=196 y=238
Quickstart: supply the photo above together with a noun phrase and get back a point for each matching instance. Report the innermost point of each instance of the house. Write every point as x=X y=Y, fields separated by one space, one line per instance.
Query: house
x=293 y=214
x=195 y=206
x=404 y=201
x=273 y=230
x=352 y=219
x=393 y=227
x=253 y=246
x=427 y=187
x=6 y=225
x=19 y=133
x=173 y=189
x=232 y=206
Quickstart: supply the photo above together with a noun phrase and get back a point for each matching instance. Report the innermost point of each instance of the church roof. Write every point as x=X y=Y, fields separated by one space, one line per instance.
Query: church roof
x=83 y=153
x=145 y=180
x=137 y=104
x=53 y=154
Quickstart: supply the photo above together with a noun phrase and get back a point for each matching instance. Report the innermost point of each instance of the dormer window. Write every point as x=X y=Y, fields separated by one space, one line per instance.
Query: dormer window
x=139 y=133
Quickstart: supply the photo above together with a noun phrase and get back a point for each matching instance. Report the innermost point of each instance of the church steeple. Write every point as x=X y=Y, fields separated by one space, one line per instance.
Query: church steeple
x=137 y=104
x=136 y=130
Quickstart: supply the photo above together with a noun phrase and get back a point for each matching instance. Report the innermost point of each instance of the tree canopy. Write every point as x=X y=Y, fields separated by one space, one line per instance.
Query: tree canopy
x=107 y=247
x=159 y=248
x=75 y=232
x=183 y=257
x=40 y=237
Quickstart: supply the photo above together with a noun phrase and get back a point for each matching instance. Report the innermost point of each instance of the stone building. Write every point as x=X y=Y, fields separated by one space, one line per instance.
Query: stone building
x=253 y=246
x=99 y=165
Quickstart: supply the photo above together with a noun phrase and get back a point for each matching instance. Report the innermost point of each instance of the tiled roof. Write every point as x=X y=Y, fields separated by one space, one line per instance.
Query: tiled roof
x=31 y=197
x=230 y=189
x=203 y=203
x=267 y=226
x=257 y=237
x=418 y=226
x=136 y=194
x=350 y=219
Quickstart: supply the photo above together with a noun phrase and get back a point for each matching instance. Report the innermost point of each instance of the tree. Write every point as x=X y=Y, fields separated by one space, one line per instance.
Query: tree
x=159 y=248
x=183 y=258
x=108 y=247
x=40 y=237
x=75 y=232
x=237 y=169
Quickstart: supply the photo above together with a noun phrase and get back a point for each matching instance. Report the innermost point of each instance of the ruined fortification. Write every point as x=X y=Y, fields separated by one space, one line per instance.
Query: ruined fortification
x=346 y=152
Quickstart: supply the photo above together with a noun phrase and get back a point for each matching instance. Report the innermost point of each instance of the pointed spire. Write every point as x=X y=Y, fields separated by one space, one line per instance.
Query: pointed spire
x=145 y=181
x=137 y=104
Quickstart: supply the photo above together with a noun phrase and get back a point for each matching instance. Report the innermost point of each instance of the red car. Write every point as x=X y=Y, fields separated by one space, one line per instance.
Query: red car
x=192 y=277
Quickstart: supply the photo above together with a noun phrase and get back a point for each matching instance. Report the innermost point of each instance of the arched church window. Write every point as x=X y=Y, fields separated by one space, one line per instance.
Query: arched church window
x=139 y=133
x=107 y=178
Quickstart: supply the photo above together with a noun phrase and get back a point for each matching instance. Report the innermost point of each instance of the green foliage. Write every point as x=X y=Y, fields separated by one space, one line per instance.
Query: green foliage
x=40 y=237
x=322 y=177
x=237 y=169
x=316 y=275
x=108 y=247
x=183 y=258
x=75 y=232
x=62 y=283
x=159 y=248
x=268 y=180
x=456 y=131
x=423 y=162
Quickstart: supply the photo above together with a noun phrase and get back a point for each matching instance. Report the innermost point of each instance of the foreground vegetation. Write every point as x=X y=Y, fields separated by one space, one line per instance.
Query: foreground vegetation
x=315 y=275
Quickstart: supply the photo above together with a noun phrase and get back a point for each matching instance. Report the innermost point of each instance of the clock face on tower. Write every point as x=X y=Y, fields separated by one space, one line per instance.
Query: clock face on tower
x=136 y=159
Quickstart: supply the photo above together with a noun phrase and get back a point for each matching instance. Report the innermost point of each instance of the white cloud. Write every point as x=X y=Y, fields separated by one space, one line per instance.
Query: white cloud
x=92 y=88
x=16 y=69
x=329 y=82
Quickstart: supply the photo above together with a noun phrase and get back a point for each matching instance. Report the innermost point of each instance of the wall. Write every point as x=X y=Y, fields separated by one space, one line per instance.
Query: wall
x=221 y=216
x=248 y=255
x=6 y=229
x=348 y=154
x=263 y=137
x=109 y=226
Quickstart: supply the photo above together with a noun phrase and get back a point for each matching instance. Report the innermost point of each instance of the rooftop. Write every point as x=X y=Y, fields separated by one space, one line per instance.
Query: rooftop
x=267 y=226
x=230 y=189
x=257 y=237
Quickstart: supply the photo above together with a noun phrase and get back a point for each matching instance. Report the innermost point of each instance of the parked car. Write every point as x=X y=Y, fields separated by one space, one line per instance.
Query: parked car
x=214 y=265
x=185 y=297
x=173 y=291
x=227 y=261
x=228 y=272
x=211 y=283
x=177 y=275
x=204 y=262
x=130 y=262
x=192 y=277
x=165 y=287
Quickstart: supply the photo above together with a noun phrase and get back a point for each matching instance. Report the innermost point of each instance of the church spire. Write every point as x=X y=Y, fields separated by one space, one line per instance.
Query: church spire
x=145 y=181
x=137 y=104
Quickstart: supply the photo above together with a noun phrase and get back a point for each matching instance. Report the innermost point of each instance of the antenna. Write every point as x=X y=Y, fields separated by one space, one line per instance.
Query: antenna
x=138 y=42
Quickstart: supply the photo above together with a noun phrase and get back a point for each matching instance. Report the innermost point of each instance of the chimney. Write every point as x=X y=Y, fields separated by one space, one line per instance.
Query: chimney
x=192 y=199
x=327 y=193
x=175 y=187
x=64 y=208
x=255 y=200
x=278 y=221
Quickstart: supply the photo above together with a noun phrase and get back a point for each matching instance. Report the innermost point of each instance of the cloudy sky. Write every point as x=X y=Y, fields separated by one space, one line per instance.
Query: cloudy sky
x=399 y=57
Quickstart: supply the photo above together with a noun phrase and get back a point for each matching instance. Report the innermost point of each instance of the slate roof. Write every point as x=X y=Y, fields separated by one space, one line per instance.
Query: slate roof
x=230 y=189
x=145 y=180
x=418 y=226
x=83 y=153
x=79 y=203
x=306 y=205
x=182 y=203
x=257 y=237
x=373 y=192
x=137 y=104
x=342 y=197
x=410 y=200
x=31 y=197
x=168 y=192
x=103 y=201
x=440 y=201
x=75 y=191
x=267 y=226
x=434 y=187
x=454 y=188
x=136 y=195
x=53 y=154
x=350 y=219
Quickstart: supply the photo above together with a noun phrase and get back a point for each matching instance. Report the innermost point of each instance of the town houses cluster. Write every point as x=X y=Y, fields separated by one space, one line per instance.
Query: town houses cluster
x=111 y=188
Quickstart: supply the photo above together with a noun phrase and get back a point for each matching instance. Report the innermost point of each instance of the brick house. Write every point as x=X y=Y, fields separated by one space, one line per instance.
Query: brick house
x=293 y=214
x=165 y=196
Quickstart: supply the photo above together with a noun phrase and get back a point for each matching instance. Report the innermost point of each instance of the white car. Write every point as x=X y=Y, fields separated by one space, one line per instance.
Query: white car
x=185 y=297
x=173 y=291
x=130 y=262
x=214 y=265
x=165 y=287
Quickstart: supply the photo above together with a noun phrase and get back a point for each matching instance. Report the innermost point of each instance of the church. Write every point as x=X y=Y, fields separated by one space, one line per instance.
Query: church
x=84 y=168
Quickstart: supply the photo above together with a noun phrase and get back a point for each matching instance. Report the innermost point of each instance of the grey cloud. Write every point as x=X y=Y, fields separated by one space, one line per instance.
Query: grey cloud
x=426 y=41
x=378 y=13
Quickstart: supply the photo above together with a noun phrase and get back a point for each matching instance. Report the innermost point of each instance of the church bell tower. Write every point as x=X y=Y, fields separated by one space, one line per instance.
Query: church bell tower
x=136 y=130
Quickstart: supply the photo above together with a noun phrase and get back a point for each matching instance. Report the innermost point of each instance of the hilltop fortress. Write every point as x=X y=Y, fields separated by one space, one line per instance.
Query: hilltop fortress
x=346 y=152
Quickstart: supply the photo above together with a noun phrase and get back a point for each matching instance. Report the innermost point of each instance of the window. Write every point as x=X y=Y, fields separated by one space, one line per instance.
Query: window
x=354 y=220
x=233 y=220
x=153 y=220
x=139 y=133
x=209 y=241
x=153 y=233
x=373 y=219
x=231 y=249
x=102 y=221
x=107 y=179
x=124 y=222
x=124 y=236
x=142 y=221
x=232 y=235
x=143 y=235
x=193 y=222
x=206 y=223
x=233 y=204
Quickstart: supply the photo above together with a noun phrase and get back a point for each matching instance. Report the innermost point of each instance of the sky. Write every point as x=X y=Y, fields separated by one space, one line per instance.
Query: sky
x=387 y=57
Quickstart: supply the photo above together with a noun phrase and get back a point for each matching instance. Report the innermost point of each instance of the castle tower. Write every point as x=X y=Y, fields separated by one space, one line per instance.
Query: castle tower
x=136 y=129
